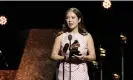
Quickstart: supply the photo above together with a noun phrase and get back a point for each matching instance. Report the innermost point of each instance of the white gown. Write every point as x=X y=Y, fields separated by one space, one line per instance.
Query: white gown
x=78 y=71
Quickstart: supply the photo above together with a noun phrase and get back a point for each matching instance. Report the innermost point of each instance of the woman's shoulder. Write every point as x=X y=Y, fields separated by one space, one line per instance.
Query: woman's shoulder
x=58 y=37
x=88 y=35
x=60 y=34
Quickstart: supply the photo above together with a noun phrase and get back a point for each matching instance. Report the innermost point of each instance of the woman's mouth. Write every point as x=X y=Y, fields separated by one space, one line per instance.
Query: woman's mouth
x=70 y=24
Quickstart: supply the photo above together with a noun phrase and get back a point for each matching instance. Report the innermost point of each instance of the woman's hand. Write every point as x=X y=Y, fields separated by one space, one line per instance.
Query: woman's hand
x=79 y=57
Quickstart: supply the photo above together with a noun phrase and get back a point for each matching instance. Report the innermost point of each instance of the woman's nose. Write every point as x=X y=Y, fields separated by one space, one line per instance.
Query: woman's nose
x=70 y=19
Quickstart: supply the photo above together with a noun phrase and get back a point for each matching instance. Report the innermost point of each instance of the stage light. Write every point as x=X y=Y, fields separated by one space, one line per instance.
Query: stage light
x=106 y=4
x=3 y=20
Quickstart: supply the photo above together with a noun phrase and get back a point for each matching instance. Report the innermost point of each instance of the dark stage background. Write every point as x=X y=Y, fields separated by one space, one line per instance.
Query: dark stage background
x=104 y=25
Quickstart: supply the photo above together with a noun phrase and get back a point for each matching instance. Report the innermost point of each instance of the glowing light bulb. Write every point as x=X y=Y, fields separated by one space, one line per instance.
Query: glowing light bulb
x=107 y=4
x=3 y=20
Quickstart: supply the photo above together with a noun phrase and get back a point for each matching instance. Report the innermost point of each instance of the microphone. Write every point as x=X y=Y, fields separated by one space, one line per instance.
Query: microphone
x=70 y=37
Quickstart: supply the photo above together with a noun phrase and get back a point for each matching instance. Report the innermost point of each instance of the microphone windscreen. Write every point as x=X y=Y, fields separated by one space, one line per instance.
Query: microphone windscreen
x=69 y=37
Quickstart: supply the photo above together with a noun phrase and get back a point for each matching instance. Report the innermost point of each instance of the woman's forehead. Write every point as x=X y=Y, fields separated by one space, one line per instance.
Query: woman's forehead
x=71 y=13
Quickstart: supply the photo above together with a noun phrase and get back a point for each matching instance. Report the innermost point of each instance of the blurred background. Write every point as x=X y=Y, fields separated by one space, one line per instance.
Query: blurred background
x=27 y=38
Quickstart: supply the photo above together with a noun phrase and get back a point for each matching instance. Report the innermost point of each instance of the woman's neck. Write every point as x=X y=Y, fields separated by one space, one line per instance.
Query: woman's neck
x=74 y=31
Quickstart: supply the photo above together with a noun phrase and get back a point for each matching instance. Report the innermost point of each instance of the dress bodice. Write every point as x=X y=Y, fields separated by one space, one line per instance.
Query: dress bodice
x=80 y=38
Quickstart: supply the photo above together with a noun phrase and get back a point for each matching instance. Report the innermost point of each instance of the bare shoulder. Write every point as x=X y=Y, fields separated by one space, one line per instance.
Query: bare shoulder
x=59 y=37
x=59 y=33
x=88 y=36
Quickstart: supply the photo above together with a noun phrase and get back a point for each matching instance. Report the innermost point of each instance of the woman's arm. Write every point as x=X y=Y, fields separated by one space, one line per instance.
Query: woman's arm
x=56 y=49
x=91 y=49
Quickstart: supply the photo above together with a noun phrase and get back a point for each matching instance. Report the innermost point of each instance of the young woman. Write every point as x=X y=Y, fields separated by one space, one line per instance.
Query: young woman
x=73 y=65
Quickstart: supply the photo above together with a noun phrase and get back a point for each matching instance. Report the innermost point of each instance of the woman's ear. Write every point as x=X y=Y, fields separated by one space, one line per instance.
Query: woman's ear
x=79 y=20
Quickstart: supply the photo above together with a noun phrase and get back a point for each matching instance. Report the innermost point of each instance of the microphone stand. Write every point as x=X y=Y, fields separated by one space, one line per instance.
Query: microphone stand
x=95 y=67
x=64 y=52
x=122 y=63
x=63 y=68
x=122 y=41
x=70 y=62
x=102 y=55
x=70 y=38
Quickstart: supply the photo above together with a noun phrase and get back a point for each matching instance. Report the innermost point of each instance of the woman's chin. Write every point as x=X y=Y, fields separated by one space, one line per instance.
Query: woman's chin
x=71 y=27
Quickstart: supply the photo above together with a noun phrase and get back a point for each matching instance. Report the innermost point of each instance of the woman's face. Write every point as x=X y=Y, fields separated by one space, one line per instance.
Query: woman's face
x=72 y=20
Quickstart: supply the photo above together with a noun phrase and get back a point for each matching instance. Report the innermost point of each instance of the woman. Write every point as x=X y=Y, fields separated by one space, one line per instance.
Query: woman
x=74 y=66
